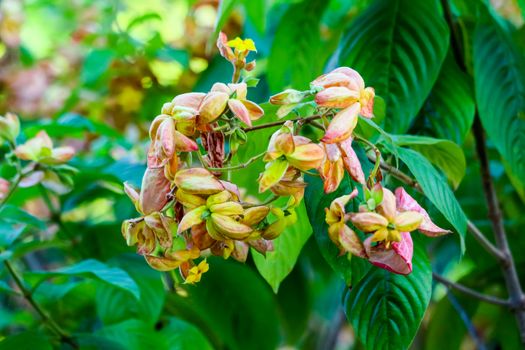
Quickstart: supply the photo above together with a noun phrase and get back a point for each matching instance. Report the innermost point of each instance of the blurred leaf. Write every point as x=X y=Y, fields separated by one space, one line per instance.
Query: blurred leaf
x=403 y=62
x=223 y=14
x=280 y=262
x=256 y=11
x=115 y=305
x=28 y=340
x=436 y=190
x=450 y=111
x=5 y=288
x=92 y=269
x=351 y=269
x=181 y=335
x=232 y=305
x=150 y=16
x=95 y=342
x=96 y=64
x=296 y=48
x=386 y=309
x=15 y=215
x=295 y=303
x=444 y=154
x=499 y=71
x=133 y=335
x=10 y=232
x=71 y=125
x=445 y=323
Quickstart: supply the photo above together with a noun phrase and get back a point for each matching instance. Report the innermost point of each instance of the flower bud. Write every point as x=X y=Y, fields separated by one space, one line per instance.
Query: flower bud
x=288 y=96
x=4 y=188
x=197 y=181
x=253 y=216
x=229 y=227
x=212 y=107
x=9 y=127
x=250 y=66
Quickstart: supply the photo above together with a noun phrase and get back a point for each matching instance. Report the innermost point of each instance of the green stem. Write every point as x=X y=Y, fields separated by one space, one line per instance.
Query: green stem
x=281 y=122
x=377 y=152
x=266 y=202
x=53 y=326
x=233 y=167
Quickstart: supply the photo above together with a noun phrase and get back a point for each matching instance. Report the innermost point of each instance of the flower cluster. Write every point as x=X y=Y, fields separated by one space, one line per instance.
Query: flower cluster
x=190 y=210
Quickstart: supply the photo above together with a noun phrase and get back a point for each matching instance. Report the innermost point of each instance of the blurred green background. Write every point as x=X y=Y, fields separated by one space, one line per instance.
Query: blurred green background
x=94 y=74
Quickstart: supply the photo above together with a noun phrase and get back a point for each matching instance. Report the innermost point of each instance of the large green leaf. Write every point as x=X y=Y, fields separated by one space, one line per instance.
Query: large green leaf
x=444 y=154
x=294 y=56
x=351 y=269
x=115 y=305
x=279 y=263
x=386 y=309
x=232 y=305
x=26 y=340
x=92 y=269
x=398 y=46
x=499 y=71
x=450 y=107
x=436 y=190
x=182 y=335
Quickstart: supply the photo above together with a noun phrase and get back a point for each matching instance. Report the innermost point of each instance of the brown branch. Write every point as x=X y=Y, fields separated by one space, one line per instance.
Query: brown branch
x=508 y=267
x=468 y=291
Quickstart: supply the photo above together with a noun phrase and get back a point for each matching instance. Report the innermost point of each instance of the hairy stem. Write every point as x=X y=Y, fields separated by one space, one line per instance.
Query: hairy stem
x=233 y=167
x=304 y=120
x=52 y=325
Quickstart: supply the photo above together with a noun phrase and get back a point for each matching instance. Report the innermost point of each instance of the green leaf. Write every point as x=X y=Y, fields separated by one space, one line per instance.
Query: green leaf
x=316 y=201
x=450 y=107
x=386 y=309
x=444 y=154
x=182 y=335
x=256 y=12
x=5 y=288
x=294 y=56
x=279 y=263
x=96 y=64
x=398 y=46
x=92 y=269
x=115 y=305
x=10 y=232
x=223 y=13
x=499 y=71
x=232 y=305
x=26 y=340
x=436 y=190
x=16 y=215
x=133 y=334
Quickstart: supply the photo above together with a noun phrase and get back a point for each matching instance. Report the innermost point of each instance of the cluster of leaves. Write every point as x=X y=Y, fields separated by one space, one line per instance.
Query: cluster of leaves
x=102 y=72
